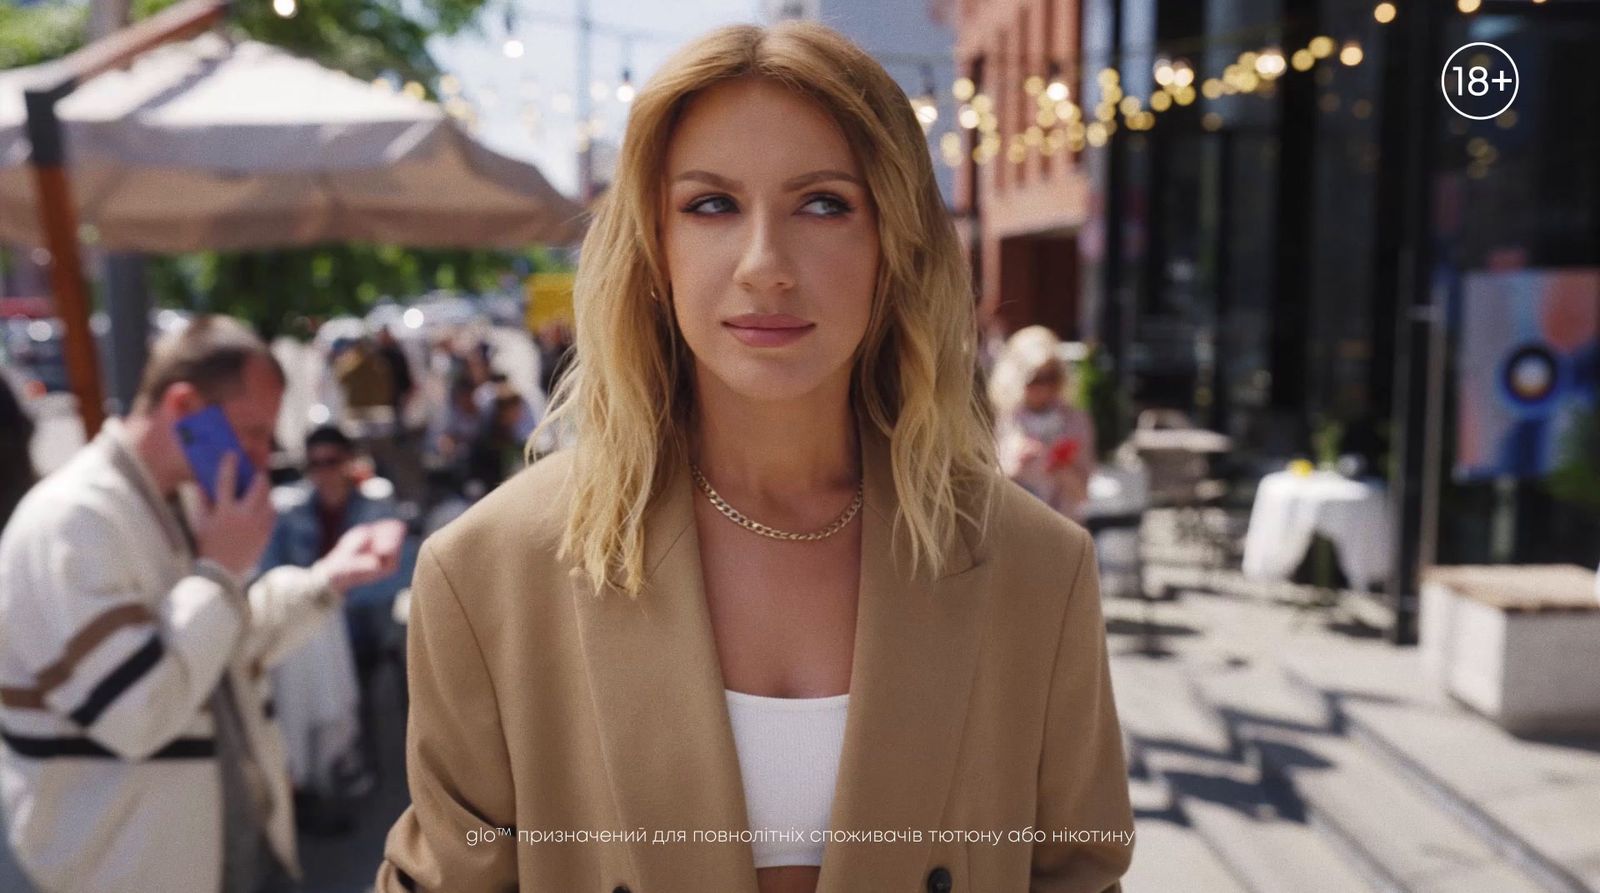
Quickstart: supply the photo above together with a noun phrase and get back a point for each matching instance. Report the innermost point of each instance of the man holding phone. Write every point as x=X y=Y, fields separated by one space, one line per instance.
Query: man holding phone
x=139 y=747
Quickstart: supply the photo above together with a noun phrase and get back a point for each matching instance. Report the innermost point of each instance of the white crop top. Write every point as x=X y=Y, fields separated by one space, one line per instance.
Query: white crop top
x=789 y=757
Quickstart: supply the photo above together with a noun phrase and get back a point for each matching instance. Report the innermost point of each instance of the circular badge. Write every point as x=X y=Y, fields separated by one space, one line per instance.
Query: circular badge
x=1530 y=374
x=1479 y=81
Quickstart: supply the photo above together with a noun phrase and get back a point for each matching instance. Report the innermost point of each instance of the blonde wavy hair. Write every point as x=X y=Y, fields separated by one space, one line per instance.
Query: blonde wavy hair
x=628 y=397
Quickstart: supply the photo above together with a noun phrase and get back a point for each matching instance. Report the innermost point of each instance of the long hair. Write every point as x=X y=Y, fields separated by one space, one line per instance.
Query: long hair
x=628 y=396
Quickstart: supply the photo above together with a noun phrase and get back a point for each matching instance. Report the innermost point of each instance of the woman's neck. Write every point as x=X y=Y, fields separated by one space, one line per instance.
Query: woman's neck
x=776 y=453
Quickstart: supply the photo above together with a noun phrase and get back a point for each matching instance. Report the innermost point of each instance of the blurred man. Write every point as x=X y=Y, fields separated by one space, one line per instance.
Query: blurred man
x=323 y=689
x=139 y=751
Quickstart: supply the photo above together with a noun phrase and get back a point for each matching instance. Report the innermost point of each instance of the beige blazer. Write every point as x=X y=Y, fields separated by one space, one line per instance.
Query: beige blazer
x=562 y=742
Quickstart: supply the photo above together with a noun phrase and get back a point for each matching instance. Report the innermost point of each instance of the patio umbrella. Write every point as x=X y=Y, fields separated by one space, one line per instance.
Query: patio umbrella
x=212 y=144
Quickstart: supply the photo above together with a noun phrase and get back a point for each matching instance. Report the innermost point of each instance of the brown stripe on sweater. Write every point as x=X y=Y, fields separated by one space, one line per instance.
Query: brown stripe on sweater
x=78 y=647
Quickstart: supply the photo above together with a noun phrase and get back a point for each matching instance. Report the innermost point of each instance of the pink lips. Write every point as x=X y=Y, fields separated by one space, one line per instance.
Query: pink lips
x=768 y=329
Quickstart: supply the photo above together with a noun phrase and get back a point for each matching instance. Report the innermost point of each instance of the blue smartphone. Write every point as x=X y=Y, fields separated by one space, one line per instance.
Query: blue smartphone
x=206 y=437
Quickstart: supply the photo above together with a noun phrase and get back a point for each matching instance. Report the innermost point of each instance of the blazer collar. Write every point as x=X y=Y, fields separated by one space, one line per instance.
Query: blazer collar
x=668 y=745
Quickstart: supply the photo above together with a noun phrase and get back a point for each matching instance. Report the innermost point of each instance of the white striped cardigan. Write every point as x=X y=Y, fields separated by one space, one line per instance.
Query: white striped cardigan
x=111 y=643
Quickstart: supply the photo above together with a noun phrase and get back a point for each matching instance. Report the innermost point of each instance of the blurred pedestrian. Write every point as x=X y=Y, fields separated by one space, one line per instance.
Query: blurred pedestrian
x=500 y=446
x=555 y=354
x=1044 y=442
x=323 y=688
x=401 y=383
x=140 y=753
x=455 y=428
x=364 y=376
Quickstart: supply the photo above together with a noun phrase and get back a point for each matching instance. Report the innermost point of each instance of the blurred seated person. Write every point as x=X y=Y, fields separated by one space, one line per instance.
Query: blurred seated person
x=500 y=448
x=456 y=426
x=323 y=688
x=1043 y=441
x=499 y=392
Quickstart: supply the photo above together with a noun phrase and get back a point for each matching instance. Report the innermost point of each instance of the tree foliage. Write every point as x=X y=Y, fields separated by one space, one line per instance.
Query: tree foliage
x=38 y=32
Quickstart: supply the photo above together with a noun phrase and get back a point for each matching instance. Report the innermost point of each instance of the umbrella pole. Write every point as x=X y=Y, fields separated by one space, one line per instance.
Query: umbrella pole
x=57 y=214
x=58 y=222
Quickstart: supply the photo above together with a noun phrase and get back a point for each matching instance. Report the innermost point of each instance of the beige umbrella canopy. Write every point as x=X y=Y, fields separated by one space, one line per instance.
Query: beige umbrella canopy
x=207 y=144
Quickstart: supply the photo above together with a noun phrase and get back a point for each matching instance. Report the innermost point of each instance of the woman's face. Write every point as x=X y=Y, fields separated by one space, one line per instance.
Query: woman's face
x=771 y=241
x=1044 y=387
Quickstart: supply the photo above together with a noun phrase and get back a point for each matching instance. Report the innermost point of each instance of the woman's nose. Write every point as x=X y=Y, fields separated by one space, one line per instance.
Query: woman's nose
x=764 y=264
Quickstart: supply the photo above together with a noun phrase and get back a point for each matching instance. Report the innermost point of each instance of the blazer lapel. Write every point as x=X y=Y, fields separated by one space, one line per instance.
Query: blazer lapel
x=668 y=743
x=664 y=728
x=915 y=652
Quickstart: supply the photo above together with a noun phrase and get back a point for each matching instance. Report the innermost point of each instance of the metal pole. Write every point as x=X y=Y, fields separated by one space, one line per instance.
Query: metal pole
x=127 y=299
x=1416 y=314
x=586 y=141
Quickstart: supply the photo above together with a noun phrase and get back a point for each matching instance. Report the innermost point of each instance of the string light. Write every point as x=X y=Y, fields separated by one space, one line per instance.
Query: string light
x=1302 y=60
x=1321 y=46
x=926 y=105
x=1385 y=12
x=1270 y=63
x=1056 y=91
x=1351 y=55
x=1182 y=73
x=1163 y=72
x=1468 y=6
x=513 y=47
x=285 y=8
x=625 y=90
x=963 y=89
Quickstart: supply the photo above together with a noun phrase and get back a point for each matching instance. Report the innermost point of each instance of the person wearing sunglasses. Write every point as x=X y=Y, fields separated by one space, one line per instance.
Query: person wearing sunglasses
x=321 y=689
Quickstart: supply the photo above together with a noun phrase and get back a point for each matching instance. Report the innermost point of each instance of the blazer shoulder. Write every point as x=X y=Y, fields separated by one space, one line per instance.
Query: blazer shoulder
x=1023 y=528
x=524 y=515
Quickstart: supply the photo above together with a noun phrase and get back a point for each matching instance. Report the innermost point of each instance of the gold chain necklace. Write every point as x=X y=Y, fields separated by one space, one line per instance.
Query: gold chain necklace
x=738 y=517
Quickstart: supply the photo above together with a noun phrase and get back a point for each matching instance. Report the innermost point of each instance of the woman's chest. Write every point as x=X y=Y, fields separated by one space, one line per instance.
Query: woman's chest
x=783 y=614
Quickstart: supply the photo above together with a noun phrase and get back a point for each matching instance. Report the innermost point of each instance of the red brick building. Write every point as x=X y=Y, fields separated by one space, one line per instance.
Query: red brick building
x=1025 y=217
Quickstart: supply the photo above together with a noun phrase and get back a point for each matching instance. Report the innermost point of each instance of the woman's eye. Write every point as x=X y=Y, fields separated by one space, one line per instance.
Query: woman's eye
x=696 y=206
x=832 y=205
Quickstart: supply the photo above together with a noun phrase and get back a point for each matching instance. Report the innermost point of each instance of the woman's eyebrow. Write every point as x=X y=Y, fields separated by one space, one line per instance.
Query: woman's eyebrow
x=709 y=178
x=805 y=180
x=789 y=185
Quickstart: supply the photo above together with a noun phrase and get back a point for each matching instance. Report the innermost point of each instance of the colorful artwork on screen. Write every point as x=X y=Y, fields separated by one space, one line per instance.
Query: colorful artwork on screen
x=1526 y=369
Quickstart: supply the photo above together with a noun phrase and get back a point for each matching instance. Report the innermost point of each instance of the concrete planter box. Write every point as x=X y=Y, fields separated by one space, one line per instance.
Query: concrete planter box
x=1520 y=644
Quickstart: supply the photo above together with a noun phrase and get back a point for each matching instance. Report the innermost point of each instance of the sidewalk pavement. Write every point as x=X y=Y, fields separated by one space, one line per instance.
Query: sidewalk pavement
x=1271 y=751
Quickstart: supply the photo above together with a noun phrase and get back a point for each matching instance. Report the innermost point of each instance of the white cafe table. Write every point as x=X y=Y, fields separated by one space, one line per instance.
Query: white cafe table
x=1291 y=509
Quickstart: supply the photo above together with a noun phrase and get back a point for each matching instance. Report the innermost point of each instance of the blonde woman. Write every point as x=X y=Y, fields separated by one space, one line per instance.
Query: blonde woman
x=776 y=623
x=1045 y=442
